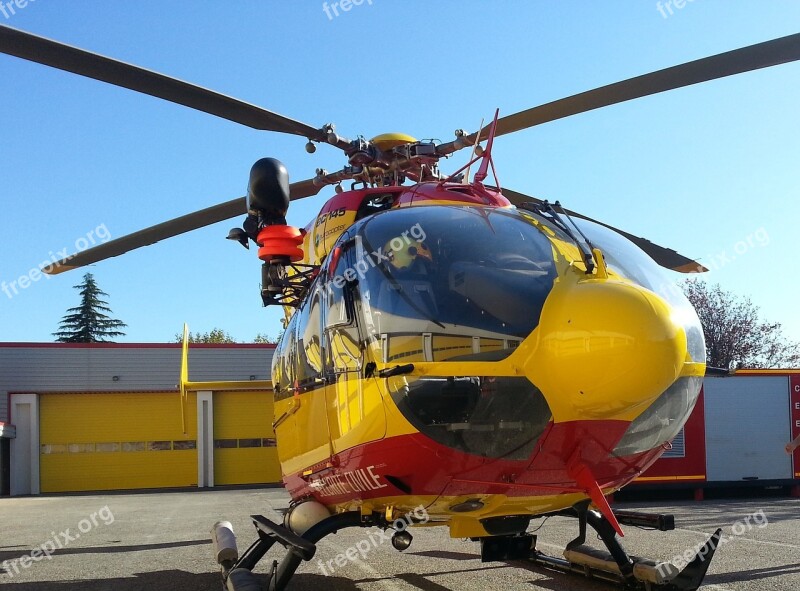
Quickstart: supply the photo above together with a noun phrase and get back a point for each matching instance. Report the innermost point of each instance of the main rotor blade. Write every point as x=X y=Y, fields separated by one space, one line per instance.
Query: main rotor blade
x=754 y=57
x=666 y=257
x=302 y=189
x=78 y=61
x=151 y=235
x=174 y=227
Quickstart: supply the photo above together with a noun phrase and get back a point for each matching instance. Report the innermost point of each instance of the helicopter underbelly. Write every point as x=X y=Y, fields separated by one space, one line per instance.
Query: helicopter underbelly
x=407 y=471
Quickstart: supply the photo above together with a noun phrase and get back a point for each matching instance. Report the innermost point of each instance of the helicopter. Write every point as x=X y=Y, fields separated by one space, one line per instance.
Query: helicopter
x=455 y=353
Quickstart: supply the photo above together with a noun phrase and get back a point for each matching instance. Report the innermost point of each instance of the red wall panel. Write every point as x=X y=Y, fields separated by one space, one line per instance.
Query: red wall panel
x=794 y=384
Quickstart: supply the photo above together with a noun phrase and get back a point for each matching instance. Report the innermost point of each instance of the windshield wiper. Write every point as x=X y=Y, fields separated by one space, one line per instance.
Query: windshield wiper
x=554 y=213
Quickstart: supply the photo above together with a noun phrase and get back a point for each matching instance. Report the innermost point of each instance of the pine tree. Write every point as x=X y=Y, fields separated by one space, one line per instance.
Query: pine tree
x=87 y=322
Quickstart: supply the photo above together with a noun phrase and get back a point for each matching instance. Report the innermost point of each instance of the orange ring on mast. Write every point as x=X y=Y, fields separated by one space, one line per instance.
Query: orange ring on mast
x=280 y=241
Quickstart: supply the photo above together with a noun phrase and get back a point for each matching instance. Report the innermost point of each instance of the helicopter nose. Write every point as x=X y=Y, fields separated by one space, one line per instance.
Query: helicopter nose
x=607 y=349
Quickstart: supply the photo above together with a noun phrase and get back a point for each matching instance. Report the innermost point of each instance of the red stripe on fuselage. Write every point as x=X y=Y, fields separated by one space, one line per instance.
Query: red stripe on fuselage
x=417 y=465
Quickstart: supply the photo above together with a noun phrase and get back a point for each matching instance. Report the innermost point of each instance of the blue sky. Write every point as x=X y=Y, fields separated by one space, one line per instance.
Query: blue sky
x=711 y=170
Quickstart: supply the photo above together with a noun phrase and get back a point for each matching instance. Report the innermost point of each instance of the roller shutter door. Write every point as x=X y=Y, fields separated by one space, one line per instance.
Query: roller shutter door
x=108 y=441
x=747 y=427
x=244 y=442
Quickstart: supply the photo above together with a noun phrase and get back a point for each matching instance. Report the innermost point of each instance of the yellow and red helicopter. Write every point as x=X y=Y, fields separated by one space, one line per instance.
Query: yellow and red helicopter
x=451 y=345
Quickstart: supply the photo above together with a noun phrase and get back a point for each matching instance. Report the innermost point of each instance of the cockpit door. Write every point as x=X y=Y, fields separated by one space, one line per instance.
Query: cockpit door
x=355 y=406
x=301 y=421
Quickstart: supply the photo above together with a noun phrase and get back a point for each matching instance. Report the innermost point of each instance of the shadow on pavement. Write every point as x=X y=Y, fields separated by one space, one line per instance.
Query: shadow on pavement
x=447 y=555
x=174 y=580
x=754 y=574
x=25 y=550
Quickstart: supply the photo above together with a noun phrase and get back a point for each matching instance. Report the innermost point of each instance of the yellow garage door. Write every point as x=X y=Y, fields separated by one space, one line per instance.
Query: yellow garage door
x=108 y=441
x=244 y=442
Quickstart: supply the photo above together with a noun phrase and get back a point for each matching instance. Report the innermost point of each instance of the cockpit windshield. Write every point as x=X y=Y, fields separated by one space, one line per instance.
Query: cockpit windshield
x=471 y=280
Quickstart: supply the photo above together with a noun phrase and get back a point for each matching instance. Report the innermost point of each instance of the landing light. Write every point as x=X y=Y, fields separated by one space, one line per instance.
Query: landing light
x=402 y=540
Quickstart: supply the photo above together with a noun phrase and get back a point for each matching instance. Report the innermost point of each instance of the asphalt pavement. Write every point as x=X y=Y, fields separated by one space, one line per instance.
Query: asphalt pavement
x=161 y=541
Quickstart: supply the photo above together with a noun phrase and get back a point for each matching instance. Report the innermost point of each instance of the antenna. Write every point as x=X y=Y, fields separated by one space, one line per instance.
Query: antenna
x=483 y=169
x=474 y=153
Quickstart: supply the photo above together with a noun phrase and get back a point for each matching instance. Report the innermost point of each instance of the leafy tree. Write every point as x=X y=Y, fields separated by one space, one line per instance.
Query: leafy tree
x=87 y=322
x=216 y=335
x=265 y=338
x=735 y=335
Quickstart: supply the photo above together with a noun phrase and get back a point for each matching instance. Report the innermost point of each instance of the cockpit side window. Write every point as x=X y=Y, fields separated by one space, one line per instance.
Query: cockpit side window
x=342 y=339
x=309 y=347
x=339 y=309
x=283 y=369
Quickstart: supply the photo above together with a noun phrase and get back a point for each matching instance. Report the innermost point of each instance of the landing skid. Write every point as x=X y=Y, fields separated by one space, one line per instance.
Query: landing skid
x=616 y=566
